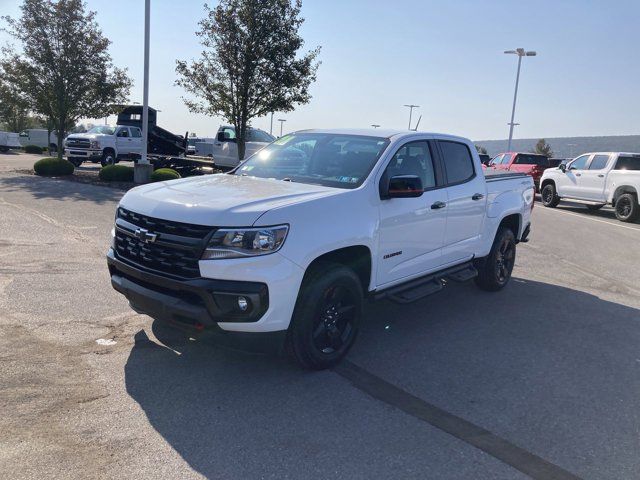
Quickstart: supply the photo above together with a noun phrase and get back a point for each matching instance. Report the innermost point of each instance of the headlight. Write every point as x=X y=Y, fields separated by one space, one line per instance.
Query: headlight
x=245 y=242
x=94 y=144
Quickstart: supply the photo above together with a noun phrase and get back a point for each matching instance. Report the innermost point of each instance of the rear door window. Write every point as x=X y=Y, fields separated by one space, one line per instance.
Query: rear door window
x=530 y=159
x=599 y=162
x=135 y=132
x=628 y=163
x=458 y=162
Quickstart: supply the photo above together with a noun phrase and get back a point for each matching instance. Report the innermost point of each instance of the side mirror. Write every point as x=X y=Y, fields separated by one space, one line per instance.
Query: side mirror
x=220 y=137
x=404 y=186
x=562 y=167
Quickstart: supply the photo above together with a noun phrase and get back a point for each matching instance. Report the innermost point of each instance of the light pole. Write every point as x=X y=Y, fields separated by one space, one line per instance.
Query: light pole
x=281 y=120
x=271 y=127
x=142 y=170
x=375 y=125
x=411 y=107
x=520 y=52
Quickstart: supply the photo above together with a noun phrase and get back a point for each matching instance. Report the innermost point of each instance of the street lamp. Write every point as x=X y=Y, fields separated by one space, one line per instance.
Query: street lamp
x=281 y=120
x=411 y=107
x=142 y=169
x=375 y=125
x=520 y=52
x=271 y=126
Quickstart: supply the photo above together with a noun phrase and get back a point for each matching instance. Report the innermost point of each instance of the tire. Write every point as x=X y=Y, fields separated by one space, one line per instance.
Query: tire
x=76 y=161
x=327 y=316
x=494 y=270
x=549 y=196
x=108 y=158
x=594 y=207
x=627 y=209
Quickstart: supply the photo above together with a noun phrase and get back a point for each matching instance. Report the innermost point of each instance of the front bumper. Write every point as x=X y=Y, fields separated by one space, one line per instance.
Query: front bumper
x=82 y=153
x=270 y=284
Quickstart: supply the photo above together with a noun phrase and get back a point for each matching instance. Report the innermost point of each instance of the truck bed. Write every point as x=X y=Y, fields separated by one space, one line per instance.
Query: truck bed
x=496 y=175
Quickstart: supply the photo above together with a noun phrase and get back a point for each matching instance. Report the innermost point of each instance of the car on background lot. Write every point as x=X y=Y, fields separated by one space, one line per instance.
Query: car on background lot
x=286 y=247
x=8 y=141
x=105 y=144
x=528 y=163
x=39 y=137
x=224 y=148
x=597 y=179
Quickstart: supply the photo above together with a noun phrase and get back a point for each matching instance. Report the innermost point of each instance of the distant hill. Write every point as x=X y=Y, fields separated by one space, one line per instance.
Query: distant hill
x=561 y=146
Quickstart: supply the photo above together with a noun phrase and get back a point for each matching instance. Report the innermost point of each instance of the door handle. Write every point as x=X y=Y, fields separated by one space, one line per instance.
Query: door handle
x=477 y=196
x=218 y=144
x=438 y=205
x=601 y=175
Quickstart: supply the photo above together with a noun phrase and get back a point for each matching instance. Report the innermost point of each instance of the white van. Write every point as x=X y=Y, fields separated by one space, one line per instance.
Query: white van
x=38 y=136
x=8 y=141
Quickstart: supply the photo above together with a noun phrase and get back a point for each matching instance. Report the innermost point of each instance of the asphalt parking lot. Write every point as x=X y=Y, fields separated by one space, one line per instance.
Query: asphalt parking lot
x=543 y=377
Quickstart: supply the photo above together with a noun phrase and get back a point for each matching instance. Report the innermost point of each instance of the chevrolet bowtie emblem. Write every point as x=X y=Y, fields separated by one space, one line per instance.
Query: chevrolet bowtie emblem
x=144 y=236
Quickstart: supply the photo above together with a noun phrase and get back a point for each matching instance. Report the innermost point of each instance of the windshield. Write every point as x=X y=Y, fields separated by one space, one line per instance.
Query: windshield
x=333 y=160
x=254 y=135
x=103 y=129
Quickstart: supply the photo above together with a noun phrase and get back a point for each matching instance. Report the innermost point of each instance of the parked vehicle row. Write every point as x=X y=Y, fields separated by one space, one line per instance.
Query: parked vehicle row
x=528 y=163
x=224 y=149
x=105 y=144
x=597 y=179
x=285 y=248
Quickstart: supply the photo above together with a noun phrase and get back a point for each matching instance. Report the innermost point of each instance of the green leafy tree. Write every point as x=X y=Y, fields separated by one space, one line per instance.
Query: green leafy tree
x=64 y=69
x=543 y=148
x=250 y=65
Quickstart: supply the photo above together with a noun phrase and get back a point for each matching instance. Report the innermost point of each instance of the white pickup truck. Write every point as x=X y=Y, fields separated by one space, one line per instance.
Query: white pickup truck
x=596 y=179
x=224 y=149
x=284 y=249
x=104 y=144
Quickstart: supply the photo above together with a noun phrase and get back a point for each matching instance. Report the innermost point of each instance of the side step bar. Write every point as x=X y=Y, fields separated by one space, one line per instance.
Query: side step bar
x=422 y=287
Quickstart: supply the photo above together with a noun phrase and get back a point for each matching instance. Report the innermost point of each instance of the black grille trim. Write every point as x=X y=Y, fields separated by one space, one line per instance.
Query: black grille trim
x=171 y=254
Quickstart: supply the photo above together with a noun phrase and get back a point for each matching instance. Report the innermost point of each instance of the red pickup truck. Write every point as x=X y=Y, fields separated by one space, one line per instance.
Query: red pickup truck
x=527 y=163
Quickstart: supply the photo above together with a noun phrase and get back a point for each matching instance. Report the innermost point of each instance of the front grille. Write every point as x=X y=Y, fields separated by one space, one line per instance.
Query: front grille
x=77 y=143
x=175 y=251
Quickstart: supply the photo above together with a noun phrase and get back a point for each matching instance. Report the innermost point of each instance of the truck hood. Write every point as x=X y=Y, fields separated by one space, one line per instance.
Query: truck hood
x=87 y=136
x=219 y=200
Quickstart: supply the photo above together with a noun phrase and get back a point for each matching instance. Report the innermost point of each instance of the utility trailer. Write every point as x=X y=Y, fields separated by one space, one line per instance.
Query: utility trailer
x=186 y=166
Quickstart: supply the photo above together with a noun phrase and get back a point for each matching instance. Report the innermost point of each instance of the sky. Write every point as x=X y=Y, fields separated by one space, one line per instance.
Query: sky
x=446 y=56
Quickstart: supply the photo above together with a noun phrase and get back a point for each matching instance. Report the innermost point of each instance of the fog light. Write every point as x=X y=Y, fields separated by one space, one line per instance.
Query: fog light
x=243 y=303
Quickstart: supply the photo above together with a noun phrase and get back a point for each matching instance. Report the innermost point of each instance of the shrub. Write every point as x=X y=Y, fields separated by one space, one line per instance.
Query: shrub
x=53 y=167
x=116 y=173
x=163 y=174
x=33 y=149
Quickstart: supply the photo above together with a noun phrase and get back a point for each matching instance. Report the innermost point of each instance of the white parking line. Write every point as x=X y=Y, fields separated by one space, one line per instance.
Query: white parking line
x=589 y=218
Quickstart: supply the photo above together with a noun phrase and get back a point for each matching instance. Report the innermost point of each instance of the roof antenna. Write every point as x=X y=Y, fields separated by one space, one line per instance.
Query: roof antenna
x=417 y=123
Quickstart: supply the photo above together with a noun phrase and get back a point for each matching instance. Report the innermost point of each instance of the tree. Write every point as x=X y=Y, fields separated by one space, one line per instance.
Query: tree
x=481 y=150
x=64 y=69
x=543 y=148
x=250 y=64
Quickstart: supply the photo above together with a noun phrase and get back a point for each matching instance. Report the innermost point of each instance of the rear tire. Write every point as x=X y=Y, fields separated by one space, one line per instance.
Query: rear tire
x=494 y=270
x=327 y=316
x=627 y=209
x=549 y=196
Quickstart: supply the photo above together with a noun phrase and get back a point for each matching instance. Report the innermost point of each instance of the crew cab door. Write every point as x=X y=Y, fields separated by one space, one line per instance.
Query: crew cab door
x=412 y=230
x=123 y=141
x=592 y=181
x=466 y=206
x=136 y=141
x=225 y=148
x=567 y=184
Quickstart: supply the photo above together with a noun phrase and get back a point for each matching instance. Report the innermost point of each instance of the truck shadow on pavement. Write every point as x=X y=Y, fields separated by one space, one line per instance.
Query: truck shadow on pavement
x=53 y=188
x=539 y=364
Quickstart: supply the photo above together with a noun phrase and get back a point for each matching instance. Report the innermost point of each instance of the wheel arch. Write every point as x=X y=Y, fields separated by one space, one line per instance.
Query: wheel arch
x=621 y=190
x=513 y=222
x=356 y=257
x=546 y=182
